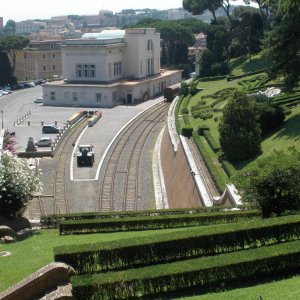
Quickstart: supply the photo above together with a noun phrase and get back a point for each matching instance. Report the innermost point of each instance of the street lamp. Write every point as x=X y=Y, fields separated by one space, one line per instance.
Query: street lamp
x=2 y=118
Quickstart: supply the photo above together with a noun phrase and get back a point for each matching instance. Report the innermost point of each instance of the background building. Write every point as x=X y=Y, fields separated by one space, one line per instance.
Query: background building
x=29 y=26
x=1 y=22
x=108 y=68
x=40 y=60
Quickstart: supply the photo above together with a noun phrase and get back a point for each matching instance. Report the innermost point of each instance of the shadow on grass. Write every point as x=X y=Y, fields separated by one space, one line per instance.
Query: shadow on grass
x=256 y=64
x=227 y=287
x=238 y=62
x=291 y=129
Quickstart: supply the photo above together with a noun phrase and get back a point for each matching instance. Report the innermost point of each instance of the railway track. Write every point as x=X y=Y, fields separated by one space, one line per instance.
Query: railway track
x=60 y=174
x=119 y=187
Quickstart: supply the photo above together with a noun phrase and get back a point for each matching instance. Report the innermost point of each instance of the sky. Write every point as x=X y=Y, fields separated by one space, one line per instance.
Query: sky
x=19 y=10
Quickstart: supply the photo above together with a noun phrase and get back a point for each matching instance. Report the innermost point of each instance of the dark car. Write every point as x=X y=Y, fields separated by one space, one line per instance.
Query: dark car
x=50 y=129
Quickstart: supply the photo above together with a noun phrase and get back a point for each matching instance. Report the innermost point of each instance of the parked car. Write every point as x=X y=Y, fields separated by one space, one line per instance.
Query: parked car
x=44 y=142
x=4 y=92
x=50 y=129
x=38 y=100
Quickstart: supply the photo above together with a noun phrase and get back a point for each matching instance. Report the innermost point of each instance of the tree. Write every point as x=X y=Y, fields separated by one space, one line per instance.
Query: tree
x=10 y=45
x=282 y=43
x=5 y=70
x=239 y=130
x=10 y=28
x=198 y=7
x=184 y=89
x=206 y=61
x=272 y=182
x=17 y=184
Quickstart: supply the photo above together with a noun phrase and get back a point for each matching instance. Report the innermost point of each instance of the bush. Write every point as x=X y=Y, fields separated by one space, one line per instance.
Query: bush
x=272 y=182
x=214 y=145
x=187 y=131
x=201 y=130
x=184 y=111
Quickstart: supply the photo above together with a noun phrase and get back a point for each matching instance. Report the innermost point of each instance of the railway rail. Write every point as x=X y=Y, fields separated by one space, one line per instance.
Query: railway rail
x=60 y=174
x=119 y=187
x=57 y=203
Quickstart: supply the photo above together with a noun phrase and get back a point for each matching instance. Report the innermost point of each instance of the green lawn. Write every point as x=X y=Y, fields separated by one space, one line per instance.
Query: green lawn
x=288 y=289
x=35 y=252
x=244 y=64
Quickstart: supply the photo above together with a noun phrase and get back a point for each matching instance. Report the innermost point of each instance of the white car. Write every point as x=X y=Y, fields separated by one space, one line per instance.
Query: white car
x=44 y=142
x=38 y=100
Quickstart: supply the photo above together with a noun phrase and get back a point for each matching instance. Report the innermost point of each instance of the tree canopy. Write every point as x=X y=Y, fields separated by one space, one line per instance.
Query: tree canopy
x=282 y=43
x=271 y=182
x=239 y=130
x=10 y=45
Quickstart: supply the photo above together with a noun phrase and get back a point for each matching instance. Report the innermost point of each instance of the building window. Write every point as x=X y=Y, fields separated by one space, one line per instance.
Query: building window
x=53 y=56
x=117 y=68
x=109 y=70
x=52 y=96
x=149 y=45
x=25 y=56
x=75 y=96
x=44 y=56
x=53 y=67
x=98 y=97
x=44 y=68
x=85 y=71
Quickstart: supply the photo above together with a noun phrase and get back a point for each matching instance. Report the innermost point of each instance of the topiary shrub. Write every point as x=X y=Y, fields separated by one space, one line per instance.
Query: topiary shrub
x=187 y=131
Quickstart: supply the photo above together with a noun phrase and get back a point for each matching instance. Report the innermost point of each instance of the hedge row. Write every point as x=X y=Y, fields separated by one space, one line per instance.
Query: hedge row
x=212 y=78
x=233 y=268
x=218 y=175
x=150 y=223
x=214 y=145
x=50 y=220
x=233 y=77
x=177 y=107
x=180 y=245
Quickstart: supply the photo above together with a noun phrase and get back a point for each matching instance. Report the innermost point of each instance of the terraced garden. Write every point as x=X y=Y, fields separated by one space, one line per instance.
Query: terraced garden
x=203 y=111
x=223 y=251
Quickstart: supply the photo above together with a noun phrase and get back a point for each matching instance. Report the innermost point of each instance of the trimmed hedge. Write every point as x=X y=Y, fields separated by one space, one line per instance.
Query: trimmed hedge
x=214 y=145
x=219 y=176
x=233 y=268
x=212 y=78
x=187 y=130
x=150 y=223
x=196 y=242
x=233 y=77
x=52 y=220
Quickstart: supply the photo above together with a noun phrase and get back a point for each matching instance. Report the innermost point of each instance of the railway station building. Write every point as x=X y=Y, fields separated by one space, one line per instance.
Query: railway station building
x=110 y=68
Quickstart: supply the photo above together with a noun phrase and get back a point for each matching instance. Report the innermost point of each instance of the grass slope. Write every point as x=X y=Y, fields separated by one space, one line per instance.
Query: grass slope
x=35 y=252
x=288 y=289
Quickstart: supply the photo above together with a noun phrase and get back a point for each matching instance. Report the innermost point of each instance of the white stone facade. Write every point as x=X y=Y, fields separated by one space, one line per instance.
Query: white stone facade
x=110 y=68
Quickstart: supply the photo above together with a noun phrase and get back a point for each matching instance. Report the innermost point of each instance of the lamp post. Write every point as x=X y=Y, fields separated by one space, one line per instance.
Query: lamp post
x=2 y=118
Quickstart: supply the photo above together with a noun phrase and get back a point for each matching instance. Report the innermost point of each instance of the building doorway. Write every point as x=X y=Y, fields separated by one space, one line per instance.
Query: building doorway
x=129 y=99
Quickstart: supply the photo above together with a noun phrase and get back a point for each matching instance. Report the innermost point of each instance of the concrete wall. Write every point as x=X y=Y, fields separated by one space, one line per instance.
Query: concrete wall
x=100 y=56
x=180 y=185
x=64 y=95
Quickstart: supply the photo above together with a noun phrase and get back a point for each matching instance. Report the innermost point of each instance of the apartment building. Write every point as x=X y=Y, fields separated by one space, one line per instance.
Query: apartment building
x=39 y=60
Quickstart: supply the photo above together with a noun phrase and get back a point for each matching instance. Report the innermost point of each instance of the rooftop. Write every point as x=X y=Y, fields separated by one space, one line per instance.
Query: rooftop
x=105 y=34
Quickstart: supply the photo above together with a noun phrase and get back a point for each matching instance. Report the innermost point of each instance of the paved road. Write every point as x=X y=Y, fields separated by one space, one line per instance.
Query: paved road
x=17 y=105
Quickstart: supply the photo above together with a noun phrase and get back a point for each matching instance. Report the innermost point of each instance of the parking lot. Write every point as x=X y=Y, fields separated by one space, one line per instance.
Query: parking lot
x=99 y=135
